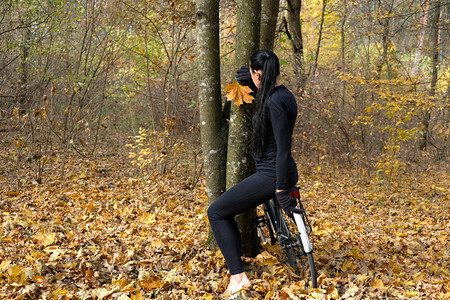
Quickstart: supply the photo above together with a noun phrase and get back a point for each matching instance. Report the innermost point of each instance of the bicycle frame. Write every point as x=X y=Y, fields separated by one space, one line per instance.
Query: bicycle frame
x=291 y=236
x=271 y=207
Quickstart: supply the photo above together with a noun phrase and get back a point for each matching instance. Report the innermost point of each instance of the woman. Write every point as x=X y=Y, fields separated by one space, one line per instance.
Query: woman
x=273 y=124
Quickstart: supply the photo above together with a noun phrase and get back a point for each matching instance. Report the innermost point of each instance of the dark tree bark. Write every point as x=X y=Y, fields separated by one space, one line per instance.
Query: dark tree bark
x=269 y=14
x=434 y=37
x=385 y=23
x=295 y=33
x=319 y=39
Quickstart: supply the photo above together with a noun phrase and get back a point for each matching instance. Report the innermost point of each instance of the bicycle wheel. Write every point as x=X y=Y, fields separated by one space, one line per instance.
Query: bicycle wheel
x=290 y=240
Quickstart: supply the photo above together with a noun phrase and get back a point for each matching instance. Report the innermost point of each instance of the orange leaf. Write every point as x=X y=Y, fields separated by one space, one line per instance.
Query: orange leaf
x=151 y=283
x=240 y=93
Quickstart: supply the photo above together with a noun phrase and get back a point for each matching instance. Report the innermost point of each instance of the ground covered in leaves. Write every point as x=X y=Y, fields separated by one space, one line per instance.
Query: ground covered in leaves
x=94 y=231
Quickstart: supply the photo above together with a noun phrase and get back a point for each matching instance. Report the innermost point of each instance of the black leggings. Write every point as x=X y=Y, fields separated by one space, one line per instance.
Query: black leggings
x=249 y=193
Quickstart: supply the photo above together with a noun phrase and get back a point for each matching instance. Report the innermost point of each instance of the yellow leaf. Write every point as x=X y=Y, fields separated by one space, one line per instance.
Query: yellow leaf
x=18 y=274
x=36 y=254
x=45 y=239
x=265 y=258
x=316 y=293
x=147 y=218
x=102 y=293
x=350 y=292
x=12 y=193
x=411 y=293
x=240 y=93
x=138 y=296
x=362 y=277
x=7 y=239
x=38 y=279
x=348 y=266
x=60 y=292
x=123 y=297
x=408 y=283
x=16 y=111
x=4 y=265
x=332 y=292
x=378 y=283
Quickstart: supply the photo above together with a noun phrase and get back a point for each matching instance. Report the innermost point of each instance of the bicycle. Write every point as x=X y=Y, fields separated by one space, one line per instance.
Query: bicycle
x=291 y=234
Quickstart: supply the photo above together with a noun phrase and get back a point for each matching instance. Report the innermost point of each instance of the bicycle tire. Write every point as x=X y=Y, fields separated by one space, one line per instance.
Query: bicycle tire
x=301 y=261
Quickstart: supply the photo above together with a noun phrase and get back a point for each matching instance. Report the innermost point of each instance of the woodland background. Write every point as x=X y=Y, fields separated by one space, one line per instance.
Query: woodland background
x=102 y=189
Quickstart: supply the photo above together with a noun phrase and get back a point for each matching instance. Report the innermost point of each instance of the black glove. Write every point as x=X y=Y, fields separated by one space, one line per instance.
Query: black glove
x=287 y=203
x=244 y=77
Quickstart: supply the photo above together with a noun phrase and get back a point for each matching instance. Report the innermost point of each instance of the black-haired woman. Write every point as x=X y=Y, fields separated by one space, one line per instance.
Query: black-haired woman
x=273 y=124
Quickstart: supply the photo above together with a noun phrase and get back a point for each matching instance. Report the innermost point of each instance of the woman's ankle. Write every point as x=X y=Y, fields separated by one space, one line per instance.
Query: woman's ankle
x=239 y=279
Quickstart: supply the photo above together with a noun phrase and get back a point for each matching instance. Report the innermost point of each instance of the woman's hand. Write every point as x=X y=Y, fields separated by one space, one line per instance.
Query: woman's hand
x=287 y=202
x=244 y=77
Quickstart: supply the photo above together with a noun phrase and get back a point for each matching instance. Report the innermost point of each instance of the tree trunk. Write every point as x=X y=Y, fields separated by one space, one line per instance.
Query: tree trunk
x=344 y=19
x=385 y=22
x=209 y=98
x=322 y=19
x=294 y=25
x=239 y=159
x=419 y=48
x=269 y=14
x=23 y=83
x=434 y=37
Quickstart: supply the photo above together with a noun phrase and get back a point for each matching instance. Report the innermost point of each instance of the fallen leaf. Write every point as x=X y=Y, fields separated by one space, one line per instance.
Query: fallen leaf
x=377 y=283
x=350 y=292
x=151 y=283
x=410 y=294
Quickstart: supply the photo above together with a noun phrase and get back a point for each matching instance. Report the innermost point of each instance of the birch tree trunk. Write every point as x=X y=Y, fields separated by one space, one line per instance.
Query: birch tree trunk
x=269 y=14
x=209 y=98
x=239 y=159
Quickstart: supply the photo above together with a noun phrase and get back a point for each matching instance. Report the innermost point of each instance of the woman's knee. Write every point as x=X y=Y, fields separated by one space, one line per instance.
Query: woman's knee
x=212 y=211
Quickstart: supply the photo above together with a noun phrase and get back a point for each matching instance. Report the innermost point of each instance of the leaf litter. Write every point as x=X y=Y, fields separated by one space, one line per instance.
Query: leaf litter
x=107 y=235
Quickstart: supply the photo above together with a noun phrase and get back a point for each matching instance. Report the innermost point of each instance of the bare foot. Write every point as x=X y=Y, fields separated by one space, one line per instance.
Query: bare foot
x=238 y=282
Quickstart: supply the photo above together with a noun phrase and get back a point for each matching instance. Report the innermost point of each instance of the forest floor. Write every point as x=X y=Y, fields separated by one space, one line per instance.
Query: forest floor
x=96 y=232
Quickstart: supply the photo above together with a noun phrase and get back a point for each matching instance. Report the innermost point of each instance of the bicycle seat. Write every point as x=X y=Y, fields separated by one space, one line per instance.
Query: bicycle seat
x=295 y=192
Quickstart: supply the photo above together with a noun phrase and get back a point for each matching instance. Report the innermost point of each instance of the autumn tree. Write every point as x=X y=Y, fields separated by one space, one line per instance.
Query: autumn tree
x=239 y=158
x=269 y=15
x=212 y=123
x=239 y=162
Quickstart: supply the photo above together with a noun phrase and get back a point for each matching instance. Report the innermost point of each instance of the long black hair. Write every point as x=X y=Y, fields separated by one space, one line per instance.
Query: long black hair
x=267 y=62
